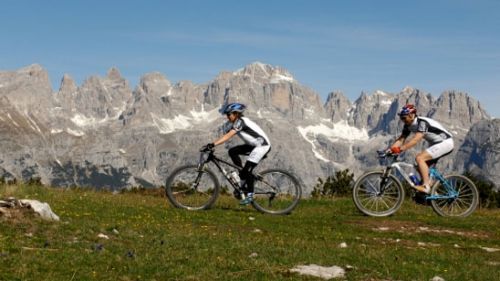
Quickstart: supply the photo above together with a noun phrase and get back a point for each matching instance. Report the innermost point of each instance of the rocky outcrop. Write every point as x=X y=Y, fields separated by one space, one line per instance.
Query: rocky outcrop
x=480 y=151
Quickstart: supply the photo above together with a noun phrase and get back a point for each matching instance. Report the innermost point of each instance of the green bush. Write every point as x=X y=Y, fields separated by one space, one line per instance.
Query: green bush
x=339 y=184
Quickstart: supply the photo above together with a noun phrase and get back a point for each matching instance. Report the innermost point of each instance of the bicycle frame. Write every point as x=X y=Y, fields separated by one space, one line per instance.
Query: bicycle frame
x=209 y=156
x=433 y=173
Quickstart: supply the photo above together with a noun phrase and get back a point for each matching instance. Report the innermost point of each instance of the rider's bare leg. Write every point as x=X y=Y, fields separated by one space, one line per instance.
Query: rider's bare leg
x=423 y=169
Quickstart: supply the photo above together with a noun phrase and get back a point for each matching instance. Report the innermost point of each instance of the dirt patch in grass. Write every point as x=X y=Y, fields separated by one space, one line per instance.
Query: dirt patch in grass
x=15 y=216
x=416 y=227
x=154 y=192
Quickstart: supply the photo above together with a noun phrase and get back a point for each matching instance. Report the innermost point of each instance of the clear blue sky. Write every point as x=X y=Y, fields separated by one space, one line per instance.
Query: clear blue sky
x=351 y=46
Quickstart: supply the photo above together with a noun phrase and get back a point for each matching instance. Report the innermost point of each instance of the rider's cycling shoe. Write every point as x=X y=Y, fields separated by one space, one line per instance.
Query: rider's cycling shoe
x=423 y=188
x=247 y=200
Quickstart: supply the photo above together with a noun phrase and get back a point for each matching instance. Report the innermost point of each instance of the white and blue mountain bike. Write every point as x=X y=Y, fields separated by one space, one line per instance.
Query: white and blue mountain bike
x=380 y=193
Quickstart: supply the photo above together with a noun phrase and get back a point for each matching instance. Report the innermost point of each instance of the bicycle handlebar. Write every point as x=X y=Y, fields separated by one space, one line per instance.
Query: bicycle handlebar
x=385 y=153
x=206 y=149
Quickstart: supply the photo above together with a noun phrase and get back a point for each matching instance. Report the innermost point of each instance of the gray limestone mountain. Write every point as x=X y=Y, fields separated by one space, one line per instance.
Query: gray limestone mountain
x=480 y=151
x=104 y=134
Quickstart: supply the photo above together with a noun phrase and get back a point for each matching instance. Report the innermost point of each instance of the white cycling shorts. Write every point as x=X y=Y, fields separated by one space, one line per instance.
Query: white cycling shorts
x=440 y=149
x=257 y=153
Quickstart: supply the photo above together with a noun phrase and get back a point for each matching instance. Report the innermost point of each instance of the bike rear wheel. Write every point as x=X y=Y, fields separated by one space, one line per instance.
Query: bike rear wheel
x=369 y=198
x=463 y=204
x=276 y=192
x=192 y=189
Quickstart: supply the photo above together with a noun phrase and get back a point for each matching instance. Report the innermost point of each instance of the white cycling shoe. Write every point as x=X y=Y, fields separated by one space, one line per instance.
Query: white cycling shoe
x=423 y=188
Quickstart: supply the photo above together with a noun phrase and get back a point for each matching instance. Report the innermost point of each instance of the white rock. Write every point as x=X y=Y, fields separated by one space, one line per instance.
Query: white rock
x=253 y=255
x=43 y=209
x=320 y=271
x=437 y=278
x=251 y=218
x=100 y=235
x=343 y=245
x=490 y=250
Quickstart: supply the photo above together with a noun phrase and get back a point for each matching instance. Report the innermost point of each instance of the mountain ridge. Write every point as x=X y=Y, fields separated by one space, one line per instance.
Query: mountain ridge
x=104 y=131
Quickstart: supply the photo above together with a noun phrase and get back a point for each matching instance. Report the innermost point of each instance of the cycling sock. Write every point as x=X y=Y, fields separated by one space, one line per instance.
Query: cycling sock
x=246 y=175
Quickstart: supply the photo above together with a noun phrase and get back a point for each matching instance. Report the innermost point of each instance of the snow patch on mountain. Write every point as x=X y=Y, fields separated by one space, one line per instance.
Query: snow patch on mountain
x=182 y=122
x=75 y=133
x=338 y=131
x=13 y=122
x=83 y=121
x=278 y=78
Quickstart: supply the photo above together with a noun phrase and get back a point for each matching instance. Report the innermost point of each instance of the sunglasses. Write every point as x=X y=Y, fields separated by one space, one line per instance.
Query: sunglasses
x=403 y=117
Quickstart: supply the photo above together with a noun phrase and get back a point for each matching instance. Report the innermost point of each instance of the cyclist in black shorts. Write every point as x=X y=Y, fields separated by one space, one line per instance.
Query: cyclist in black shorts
x=256 y=146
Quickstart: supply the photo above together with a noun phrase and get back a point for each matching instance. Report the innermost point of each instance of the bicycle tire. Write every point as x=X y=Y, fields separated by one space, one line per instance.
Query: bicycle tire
x=180 y=192
x=276 y=192
x=367 y=200
x=468 y=197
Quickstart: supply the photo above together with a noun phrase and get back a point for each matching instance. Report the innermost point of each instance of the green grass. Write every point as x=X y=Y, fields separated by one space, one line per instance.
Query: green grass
x=150 y=240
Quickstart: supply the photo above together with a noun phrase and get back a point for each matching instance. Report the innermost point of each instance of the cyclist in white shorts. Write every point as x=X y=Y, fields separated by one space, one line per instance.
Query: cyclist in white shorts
x=439 y=139
x=256 y=146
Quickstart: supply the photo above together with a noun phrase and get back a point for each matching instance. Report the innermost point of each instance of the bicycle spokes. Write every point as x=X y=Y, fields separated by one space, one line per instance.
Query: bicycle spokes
x=377 y=195
x=276 y=192
x=191 y=188
x=455 y=196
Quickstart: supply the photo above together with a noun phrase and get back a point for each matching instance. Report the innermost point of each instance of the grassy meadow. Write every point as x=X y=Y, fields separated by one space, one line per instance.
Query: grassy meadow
x=139 y=236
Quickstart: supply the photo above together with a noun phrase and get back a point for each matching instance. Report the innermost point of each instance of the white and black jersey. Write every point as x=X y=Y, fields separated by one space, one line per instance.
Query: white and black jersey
x=250 y=132
x=433 y=131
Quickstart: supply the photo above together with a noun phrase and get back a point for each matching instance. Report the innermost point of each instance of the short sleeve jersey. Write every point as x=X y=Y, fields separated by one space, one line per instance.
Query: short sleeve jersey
x=433 y=131
x=250 y=132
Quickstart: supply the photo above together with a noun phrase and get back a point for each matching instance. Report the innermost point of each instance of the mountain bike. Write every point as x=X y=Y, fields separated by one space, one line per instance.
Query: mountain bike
x=380 y=193
x=196 y=187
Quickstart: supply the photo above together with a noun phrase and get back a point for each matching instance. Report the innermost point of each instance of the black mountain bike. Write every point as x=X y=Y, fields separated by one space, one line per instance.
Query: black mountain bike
x=196 y=187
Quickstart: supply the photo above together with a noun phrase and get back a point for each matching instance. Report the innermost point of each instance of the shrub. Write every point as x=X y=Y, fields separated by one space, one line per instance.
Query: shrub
x=339 y=184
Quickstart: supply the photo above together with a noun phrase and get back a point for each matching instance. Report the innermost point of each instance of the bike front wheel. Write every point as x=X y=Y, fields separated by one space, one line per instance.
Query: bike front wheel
x=276 y=192
x=378 y=197
x=461 y=204
x=192 y=189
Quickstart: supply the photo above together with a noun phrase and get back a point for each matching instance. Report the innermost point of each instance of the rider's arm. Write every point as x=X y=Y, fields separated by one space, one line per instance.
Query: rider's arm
x=411 y=143
x=399 y=141
x=225 y=137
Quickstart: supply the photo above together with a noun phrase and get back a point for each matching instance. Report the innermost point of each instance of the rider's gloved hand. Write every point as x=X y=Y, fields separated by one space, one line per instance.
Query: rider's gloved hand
x=395 y=150
x=208 y=146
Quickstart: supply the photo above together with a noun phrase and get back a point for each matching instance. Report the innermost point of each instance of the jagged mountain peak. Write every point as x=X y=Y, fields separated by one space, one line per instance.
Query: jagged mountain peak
x=337 y=106
x=334 y=95
x=258 y=70
x=68 y=84
x=155 y=83
x=458 y=108
x=382 y=93
x=114 y=74
x=32 y=69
